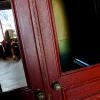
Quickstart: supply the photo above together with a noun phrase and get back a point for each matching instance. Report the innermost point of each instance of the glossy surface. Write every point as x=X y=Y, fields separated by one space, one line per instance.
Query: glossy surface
x=31 y=65
x=71 y=80
x=44 y=47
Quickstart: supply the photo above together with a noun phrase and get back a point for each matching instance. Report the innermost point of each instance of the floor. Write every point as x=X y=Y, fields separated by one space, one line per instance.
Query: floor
x=11 y=75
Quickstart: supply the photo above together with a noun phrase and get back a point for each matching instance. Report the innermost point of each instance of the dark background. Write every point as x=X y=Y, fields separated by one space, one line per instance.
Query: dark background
x=84 y=23
x=4 y=4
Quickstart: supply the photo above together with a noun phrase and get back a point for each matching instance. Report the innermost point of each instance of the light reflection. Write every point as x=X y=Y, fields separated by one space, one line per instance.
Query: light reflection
x=11 y=67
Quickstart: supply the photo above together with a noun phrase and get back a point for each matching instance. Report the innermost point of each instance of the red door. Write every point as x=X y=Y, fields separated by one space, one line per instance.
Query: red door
x=26 y=33
x=71 y=59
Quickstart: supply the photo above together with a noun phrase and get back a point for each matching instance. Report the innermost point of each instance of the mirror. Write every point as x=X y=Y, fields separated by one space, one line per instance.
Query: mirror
x=11 y=67
x=78 y=33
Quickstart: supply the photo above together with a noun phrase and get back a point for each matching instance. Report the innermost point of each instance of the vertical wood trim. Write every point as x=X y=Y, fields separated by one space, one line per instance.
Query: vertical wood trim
x=28 y=43
x=47 y=44
x=48 y=38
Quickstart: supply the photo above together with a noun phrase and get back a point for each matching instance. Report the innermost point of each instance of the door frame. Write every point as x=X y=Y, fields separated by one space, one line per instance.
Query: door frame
x=49 y=44
x=49 y=48
x=56 y=47
x=38 y=14
x=28 y=47
x=50 y=41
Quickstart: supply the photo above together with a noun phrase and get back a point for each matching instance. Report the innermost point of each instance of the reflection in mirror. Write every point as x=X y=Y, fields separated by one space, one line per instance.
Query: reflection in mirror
x=78 y=33
x=11 y=68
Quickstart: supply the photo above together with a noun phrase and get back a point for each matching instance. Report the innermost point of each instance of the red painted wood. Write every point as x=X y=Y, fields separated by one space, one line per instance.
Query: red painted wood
x=38 y=39
x=49 y=53
x=26 y=34
x=25 y=29
x=40 y=48
x=93 y=97
x=80 y=76
x=85 y=89
x=74 y=82
x=47 y=36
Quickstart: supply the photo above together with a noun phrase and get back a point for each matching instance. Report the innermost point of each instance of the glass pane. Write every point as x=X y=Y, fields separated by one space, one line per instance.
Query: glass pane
x=11 y=67
x=1 y=35
x=78 y=33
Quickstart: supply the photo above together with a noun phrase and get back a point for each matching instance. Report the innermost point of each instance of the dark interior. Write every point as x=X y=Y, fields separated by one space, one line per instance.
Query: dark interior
x=5 y=4
x=84 y=22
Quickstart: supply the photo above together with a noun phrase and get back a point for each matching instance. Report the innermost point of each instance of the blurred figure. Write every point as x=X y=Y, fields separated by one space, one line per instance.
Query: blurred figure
x=2 y=53
x=15 y=50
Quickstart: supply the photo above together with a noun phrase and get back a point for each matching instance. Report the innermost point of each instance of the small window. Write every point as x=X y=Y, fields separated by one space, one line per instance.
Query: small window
x=78 y=33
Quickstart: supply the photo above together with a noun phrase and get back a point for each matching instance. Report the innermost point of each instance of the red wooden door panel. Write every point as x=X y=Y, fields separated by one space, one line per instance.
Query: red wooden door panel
x=75 y=84
x=36 y=26
x=25 y=30
x=93 y=97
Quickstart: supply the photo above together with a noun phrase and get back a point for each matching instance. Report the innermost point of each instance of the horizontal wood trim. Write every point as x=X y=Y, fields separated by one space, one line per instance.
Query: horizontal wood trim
x=81 y=76
x=85 y=89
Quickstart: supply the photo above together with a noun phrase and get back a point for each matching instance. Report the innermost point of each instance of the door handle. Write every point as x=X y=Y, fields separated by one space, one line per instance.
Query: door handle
x=40 y=95
x=56 y=86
